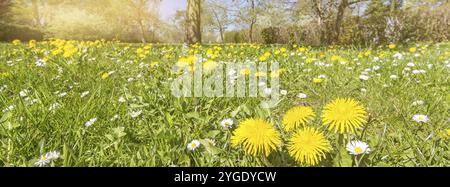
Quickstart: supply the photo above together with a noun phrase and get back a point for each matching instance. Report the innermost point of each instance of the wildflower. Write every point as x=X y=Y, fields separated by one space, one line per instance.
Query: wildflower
x=297 y=116
x=114 y=118
x=40 y=63
x=344 y=115
x=393 y=77
x=122 y=100
x=52 y=155
x=53 y=107
x=16 y=42
x=357 y=148
x=90 y=122
x=43 y=160
x=364 y=77
x=418 y=102
x=412 y=50
x=392 y=46
x=227 y=123
x=302 y=96
x=63 y=94
x=23 y=93
x=419 y=118
x=257 y=137
x=84 y=94
x=317 y=80
x=194 y=144
x=135 y=114
x=410 y=64
x=308 y=146
x=283 y=92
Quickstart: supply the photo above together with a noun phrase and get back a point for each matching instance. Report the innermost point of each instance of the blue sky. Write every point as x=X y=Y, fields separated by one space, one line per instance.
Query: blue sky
x=169 y=7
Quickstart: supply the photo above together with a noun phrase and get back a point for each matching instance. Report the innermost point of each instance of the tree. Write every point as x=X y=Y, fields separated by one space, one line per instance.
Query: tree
x=216 y=16
x=193 y=26
x=4 y=7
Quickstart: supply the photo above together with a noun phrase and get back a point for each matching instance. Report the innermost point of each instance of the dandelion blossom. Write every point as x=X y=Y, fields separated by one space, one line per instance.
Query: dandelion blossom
x=308 y=146
x=257 y=137
x=357 y=148
x=297 y=116
x=344 y=115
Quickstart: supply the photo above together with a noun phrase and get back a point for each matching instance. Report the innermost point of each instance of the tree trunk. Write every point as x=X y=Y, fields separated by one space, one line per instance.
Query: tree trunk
x=36 y=14
x=253 y=20
x=339 y=17
x=193 y=32
x=141 y=26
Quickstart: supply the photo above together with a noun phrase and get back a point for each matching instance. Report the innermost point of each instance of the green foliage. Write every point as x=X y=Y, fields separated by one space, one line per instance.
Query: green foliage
x=9 y=32
x=270 y=35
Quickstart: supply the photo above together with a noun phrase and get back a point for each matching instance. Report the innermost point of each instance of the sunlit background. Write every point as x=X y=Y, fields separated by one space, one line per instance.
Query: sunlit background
x=310 y=22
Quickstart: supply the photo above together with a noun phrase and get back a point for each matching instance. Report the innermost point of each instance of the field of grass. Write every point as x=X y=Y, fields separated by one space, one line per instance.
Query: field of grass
x=110 y=104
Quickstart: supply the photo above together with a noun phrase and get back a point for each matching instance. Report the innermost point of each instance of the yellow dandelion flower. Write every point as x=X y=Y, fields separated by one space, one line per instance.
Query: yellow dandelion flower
x=245 y=71
x=257 y=137
x=105 y=75
x=16 y=42
x=344 y=115
x=412 y=50
x=392 y=46
x=297 y=116
x=448 y=132
x=308 y=146
x=210 y=65
x=317 y=80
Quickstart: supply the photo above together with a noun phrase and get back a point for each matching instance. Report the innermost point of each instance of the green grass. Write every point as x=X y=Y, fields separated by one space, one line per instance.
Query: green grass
x=158 y=137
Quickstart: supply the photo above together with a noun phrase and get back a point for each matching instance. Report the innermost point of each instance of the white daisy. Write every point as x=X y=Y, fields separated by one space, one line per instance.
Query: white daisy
x=418 y=102
x=227 y=123
x=52 y=155
x=283 y=92
x=302 y=96
x=23 y=93
x=393 y=77
x=122 y=100
x=364 y=77
x=90 y=122
x=193 y=145
x=43 y=160
x=358 y=148
x=420 y=118
x=40 y=63
x=84 y=94
x=135 y=114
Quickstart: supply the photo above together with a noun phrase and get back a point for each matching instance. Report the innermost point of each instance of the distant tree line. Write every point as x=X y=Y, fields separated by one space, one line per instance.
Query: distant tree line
x=306 y=22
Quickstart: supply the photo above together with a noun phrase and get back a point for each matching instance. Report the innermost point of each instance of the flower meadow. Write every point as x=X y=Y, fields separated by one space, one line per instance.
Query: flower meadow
x=107 y=103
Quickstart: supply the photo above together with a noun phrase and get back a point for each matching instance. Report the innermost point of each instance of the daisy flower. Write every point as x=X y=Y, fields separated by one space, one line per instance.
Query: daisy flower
x=43 y=160
x=40 y=63
x=84 y=94
x=90 y=122
x=308 y=146
x=257 y=137
x=135 y=114
x=419 y=118
x=227 y=123
x=357 y=148
x=302 y=96
x=194 y=144
x=297 y=116
x=52 y=155
x=344 y=115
